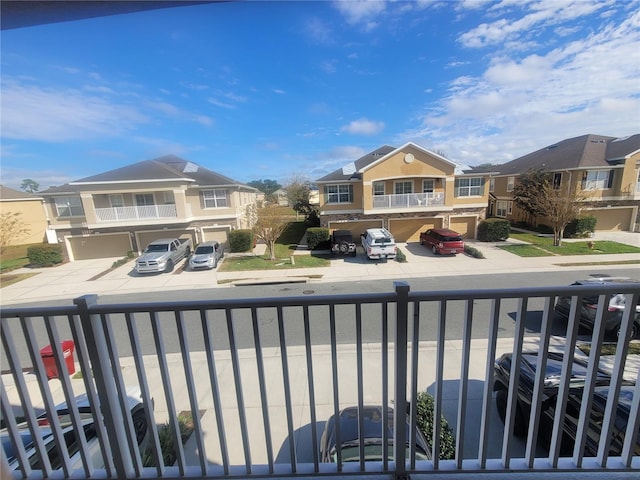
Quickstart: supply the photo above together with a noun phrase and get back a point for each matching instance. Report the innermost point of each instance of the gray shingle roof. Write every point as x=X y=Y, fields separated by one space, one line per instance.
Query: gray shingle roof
x=573 y=153
x=7 y=193
x=345 y=174
x=169 y=167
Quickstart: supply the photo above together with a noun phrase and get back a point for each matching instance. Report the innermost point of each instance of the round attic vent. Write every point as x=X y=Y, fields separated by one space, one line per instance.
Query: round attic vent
x=408 y=158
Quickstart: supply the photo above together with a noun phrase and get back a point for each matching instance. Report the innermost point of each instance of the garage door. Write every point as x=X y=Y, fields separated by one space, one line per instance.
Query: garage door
x=218 y=234
x=612 y=219
x=145 y=238
x=465 y=226
x=408 y=229
x=356 y=227
x=99 y=246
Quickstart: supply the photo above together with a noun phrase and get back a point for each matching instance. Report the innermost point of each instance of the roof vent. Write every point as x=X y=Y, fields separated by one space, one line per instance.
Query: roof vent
x=190 y=167
x=349 y=169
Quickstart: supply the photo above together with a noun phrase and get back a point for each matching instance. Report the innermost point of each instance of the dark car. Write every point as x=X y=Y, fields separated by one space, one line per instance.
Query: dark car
x=552 y=380
x=612 y=315
x=442 y=240
x=342 y=243
x=374 y=421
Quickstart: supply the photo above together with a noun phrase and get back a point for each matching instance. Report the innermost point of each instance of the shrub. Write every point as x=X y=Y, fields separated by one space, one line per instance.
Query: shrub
x=424 y=420
x=493 y=230
x=581 y=227
x=44 y=255
x=241 y=240
x=542 y=228
x=474 y=252
x=401 y=257
x=313 y=219
x=317 y=236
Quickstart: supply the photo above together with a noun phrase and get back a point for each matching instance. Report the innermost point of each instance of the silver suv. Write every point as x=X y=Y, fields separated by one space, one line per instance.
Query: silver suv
x=378 y=244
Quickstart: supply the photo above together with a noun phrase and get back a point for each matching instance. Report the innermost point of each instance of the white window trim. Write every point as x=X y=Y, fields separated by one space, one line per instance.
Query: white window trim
x=58 y=202
x=511 y=183
x=402 y=182
x=216 y=196
x=468 y=188
x=338 y=193
x=120 y=200
x=432 y=188
x=374 y=188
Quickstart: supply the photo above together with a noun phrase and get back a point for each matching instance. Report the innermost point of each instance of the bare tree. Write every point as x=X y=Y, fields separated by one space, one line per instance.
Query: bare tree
x=559 y=204
x=269 y=226
x=12 y=228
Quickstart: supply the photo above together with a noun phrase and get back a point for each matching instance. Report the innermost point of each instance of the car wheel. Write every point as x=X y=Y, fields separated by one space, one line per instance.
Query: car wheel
x=519 y=424
x=344 y=247
x=634 y=331
x=215 y=264
x=434 y=250
x=139 y=425
x=169 y=267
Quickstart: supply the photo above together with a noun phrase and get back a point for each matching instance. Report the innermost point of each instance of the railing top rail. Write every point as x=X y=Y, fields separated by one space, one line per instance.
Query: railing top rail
x=317 y=300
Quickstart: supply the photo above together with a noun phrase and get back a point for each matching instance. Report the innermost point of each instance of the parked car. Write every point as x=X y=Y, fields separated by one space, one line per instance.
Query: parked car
x=374 y=421
x=378 y=243
x=163 y=254
x=138 y=417
x=552 y=380
x=206 y=255
x=342 y=243
x=612 y=315
x=442 y=240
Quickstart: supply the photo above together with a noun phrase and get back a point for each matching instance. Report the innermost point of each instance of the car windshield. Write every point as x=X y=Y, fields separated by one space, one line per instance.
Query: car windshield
x=373 y=451
x=161 y=247
x=204 y=250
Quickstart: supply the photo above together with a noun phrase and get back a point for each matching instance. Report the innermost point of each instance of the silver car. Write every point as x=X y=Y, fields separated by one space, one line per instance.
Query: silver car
x=206 y=255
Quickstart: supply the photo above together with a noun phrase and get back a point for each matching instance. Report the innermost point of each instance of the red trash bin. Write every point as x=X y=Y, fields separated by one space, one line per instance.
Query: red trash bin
x=49 y=361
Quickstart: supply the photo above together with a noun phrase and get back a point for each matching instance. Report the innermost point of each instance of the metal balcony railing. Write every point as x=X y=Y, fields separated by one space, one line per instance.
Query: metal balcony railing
x=260 y=377
x=408 y=200
x=147 y=212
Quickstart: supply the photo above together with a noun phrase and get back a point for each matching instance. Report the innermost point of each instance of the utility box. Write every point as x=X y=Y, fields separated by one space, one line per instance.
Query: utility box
x=49 y=360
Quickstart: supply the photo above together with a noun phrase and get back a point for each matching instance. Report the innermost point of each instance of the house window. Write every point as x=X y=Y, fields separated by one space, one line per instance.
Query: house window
x=511 y=182
x=427 y=186
x=503 y=208
x=339 y=193
x=168 y=198
x=597 y=179
x=378 y=188
x=215 y=198
x=492 y=184
x=469 y=187
x=144 y=199
x=116 y=200
x=403 y=187
x=69 y=207
x=557 y=180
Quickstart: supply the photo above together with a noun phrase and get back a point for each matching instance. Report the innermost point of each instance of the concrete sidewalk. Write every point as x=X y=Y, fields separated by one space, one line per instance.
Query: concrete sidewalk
x=81 y=277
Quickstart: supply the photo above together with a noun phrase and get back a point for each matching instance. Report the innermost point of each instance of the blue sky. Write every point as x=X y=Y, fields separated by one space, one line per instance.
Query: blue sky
x=282 y=90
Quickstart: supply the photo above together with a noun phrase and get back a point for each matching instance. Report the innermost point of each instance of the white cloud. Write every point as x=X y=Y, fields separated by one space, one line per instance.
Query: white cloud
x=363 y=126
x=361 y=12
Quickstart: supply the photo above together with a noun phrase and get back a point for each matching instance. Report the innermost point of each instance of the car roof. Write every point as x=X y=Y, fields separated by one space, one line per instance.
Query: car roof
x=444 y=231
x=379 y=232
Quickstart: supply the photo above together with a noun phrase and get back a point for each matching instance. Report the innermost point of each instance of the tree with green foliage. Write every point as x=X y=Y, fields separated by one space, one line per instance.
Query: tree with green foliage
x=298 y=192
x=269 y=226
x=12 y=229
x=29 y=186
x=265 y=186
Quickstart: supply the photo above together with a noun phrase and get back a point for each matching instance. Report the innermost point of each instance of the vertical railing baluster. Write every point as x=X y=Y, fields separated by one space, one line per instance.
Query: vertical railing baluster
x=215 y=388
x=334 y=378
x=385 y=378
x=400 y=374
x=633 y=426
x=360 y=381
x=487 y=389
x=263 y=388
x=464 y=382
x=312 y=396
x=287 y=389
x=237 y=378
x=415 y=344
x=439 y=384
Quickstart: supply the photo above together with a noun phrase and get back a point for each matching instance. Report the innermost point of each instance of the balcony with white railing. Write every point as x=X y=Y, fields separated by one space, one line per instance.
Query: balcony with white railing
x=408 y=200
x=260 y=377
x=146 y=212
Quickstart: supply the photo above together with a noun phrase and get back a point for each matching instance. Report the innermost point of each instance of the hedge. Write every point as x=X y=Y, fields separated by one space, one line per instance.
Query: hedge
x=424 y=420
x=317 y=236
x=241 y=240
x=493 y=230
x=581 y=227
x=44 y=255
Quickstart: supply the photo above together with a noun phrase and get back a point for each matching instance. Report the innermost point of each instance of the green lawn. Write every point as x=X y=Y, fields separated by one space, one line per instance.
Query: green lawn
x=285 y=247
x=14 y=257
x=543 y=246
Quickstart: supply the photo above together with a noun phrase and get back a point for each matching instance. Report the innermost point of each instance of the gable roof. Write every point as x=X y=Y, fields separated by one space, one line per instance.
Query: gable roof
x=167 y=168
x=354 y=170
x=574 y=153
x=9 y=194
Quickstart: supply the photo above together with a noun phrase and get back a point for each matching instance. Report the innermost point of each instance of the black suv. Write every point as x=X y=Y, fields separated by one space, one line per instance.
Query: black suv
x=342 y=243
x=614 y=309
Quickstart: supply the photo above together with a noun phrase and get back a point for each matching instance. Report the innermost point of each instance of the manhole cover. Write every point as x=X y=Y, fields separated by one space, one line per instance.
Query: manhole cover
x=308 y=292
